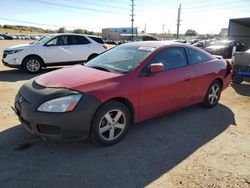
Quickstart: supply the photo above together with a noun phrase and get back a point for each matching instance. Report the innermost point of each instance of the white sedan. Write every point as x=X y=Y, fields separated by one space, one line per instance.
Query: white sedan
x=53 y=50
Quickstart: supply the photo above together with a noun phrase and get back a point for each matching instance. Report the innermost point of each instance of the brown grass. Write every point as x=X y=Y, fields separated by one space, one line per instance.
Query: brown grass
x=14 y=31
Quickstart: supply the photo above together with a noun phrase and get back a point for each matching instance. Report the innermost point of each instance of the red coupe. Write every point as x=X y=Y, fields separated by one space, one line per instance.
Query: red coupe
x=124 y=85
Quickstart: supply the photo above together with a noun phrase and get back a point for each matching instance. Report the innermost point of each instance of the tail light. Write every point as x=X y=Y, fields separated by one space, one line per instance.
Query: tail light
x=229 y=67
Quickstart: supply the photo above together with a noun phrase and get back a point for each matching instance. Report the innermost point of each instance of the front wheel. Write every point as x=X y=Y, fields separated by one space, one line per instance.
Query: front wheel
x=32 y=64
x=110 y=123
x=213 y=94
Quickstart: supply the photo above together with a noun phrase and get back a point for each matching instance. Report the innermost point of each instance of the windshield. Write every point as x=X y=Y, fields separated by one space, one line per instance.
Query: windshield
x=44 y=39
x=121 y=59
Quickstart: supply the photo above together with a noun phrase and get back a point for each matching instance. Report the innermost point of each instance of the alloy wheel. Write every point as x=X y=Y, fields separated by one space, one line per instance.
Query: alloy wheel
x=214 y=94
x=33 y=65
x=112 y=125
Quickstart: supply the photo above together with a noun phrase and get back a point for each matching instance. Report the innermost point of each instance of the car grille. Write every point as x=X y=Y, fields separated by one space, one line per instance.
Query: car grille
x=48 y=129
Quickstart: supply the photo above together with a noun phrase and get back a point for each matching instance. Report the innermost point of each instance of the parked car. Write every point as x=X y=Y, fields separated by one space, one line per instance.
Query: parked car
x=201 y=44
x=224 y=48
x=129 y=83
x=241 y=67
x=7 y=36
x=35 y=37
x=55 y=49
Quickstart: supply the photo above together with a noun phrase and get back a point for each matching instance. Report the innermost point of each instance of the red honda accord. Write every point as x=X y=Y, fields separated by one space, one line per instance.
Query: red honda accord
x=127 y=84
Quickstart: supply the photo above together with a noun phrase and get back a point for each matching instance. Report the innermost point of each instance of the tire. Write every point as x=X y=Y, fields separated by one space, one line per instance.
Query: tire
x=213 y=95
x=92 y=57
x=110 y=123
x=32 y=64
x=237 y=79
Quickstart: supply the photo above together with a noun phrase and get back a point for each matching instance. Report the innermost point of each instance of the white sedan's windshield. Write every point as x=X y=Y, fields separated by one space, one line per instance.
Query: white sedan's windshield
x=44 y=39
x=121 y=59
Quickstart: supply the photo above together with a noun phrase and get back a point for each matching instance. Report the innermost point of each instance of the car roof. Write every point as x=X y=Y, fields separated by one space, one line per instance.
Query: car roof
x=159 y=44
x=58 y=34
x=93 y=36
x=155 y=44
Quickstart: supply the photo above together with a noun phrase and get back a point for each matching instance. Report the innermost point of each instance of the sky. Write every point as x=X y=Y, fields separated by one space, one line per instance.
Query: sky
x=204 y=16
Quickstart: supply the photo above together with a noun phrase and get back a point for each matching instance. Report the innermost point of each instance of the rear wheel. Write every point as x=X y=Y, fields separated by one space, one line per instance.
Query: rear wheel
x=213 y=94
x=32 y=64
x=110 y=123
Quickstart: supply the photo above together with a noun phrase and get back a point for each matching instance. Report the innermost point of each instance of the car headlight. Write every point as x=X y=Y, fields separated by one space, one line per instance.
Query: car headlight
x=61 y=104
x=14 y=51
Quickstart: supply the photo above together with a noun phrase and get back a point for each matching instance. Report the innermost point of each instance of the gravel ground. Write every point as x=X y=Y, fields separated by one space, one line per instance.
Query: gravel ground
x=193 y=147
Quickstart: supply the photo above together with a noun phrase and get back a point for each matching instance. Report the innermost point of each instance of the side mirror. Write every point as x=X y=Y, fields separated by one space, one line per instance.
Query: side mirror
x=156 y=68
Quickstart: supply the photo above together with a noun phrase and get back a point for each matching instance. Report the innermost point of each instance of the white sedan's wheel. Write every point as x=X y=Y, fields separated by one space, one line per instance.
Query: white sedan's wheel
x=32 y=64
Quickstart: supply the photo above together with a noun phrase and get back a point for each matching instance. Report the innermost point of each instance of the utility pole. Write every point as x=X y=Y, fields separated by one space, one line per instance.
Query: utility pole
x=178 y=21
x=145 y=28
x=163 y=26
x=132 y=19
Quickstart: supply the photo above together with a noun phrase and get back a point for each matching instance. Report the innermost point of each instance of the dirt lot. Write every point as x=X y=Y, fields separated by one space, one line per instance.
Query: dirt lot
x=194 y=147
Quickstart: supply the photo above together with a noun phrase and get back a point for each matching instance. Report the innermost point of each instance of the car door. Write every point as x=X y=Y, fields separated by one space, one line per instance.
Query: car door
x=204 y=72
x=81 y=47
x=57 y=50
x=168 y=90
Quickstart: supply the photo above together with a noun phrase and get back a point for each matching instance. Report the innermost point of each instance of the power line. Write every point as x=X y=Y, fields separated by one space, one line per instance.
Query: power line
x=102 y=3
x=75 y=7
x=42 y=24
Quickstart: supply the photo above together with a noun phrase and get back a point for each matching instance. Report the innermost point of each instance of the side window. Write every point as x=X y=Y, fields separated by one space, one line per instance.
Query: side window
x=98 y=40
x=77 y=40
x=171 y=58
x=58 y=41
x=196 y=57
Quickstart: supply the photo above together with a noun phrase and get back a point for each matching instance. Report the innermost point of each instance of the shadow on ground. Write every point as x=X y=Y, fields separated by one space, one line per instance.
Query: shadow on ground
x=14 y=75
x=149 y=150
x=242 y=89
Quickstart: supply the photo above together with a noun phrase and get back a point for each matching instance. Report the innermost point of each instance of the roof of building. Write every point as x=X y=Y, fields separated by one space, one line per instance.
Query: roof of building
x=242 y=21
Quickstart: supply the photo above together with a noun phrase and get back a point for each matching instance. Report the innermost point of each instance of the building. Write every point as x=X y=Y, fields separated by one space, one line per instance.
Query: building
x=224 y=32
x=116 y=33
x=239 y=29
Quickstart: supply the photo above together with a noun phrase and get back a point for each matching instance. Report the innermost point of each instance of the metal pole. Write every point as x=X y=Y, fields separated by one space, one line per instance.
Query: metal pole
x=178 y=21
x=132 y=19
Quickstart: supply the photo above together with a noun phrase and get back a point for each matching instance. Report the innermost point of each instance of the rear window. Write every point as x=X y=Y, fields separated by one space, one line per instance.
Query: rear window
x=97 y=39
x=76 y=40
x=196 y=57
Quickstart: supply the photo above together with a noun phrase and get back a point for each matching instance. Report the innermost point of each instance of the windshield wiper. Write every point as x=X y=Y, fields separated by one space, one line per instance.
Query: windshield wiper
x=101 y=68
